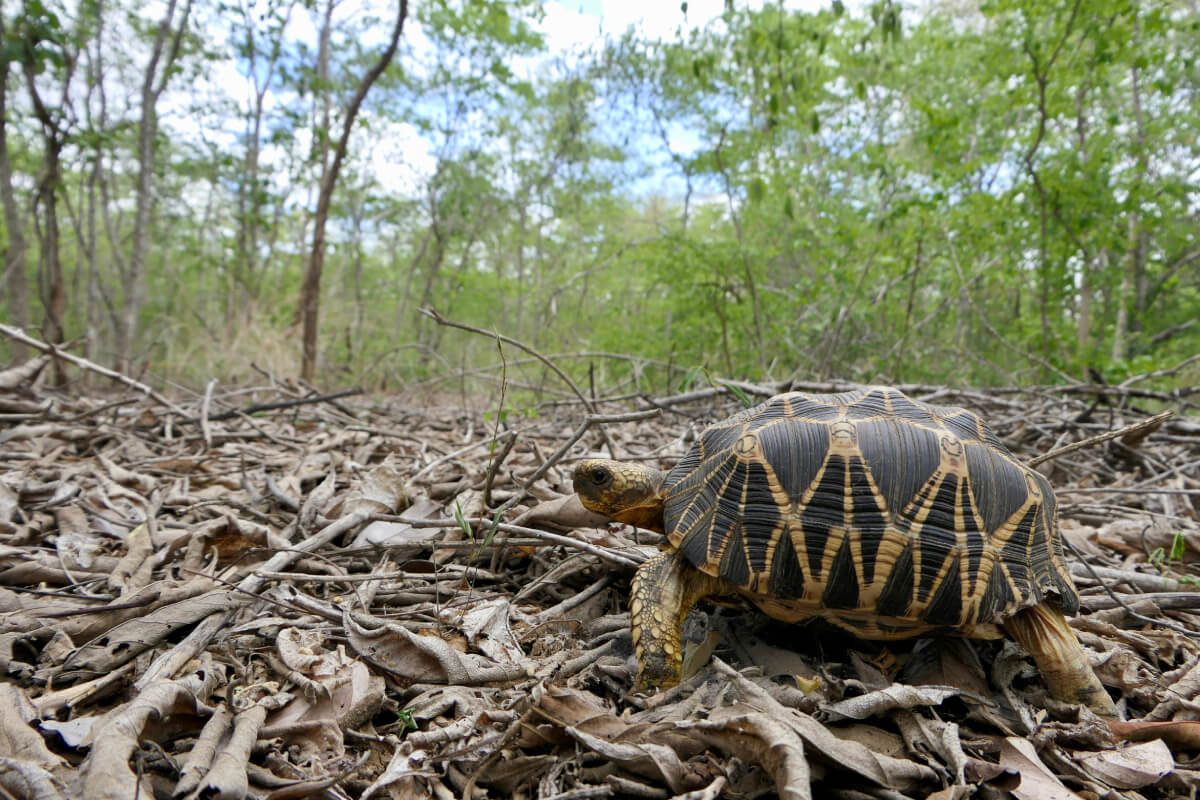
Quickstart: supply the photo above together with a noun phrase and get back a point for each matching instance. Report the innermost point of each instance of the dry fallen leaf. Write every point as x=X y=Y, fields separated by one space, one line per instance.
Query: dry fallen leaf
x=1129 y=767
x=1037 y=781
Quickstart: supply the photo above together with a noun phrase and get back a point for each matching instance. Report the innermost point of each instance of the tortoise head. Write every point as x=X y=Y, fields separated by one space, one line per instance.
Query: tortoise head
x=629 y=493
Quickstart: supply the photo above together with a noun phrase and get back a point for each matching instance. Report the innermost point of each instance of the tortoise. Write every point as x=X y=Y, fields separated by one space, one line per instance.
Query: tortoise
x=889 y=517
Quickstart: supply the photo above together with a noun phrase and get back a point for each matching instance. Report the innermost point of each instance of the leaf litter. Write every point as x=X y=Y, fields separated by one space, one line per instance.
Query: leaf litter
x=370 y=598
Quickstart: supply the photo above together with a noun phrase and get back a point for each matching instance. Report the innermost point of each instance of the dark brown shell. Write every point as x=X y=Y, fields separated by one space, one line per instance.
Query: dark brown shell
x=887 y=515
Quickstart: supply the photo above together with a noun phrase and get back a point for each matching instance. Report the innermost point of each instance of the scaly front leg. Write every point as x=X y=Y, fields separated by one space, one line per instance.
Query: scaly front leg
x=664 y=589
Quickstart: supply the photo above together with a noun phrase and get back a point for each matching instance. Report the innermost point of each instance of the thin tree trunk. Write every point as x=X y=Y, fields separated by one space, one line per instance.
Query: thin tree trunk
x=1133 y=281
x=50 y=279
x=153 y=84
x=14 y=258
x=310 y=292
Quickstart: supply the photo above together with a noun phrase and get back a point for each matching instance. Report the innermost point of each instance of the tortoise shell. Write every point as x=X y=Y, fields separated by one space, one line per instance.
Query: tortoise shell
x=884 y=514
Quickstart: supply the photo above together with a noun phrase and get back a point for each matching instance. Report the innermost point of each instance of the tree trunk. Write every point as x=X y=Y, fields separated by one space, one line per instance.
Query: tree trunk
x=14 y=258
x=310 y=291
x=153 y=83
x=50 y=279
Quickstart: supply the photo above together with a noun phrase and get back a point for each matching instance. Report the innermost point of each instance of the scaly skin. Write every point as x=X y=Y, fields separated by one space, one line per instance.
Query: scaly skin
x=629 y=493
x=1044 y=632
x=664 y=589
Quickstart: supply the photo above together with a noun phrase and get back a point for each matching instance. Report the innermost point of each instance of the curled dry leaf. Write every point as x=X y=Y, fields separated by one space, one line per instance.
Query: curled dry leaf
x=19 y=742
x=1129 y=767
x=353 y=695
x=227 y=775
x=487 y=628
x=881 y=701
x=105 y=773
x=200 y=757
x=1037 y=781
x=564 y=513
x=396 y=534
x=425 y=659
x=134 y=569
x=134 y=636
x=1179 y=735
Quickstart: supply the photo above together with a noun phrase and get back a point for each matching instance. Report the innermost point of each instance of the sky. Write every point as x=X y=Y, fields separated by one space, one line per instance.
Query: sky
x=567 y=25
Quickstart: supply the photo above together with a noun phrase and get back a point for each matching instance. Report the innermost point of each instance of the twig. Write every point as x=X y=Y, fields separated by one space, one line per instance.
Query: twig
x=1146 y=425
x=592 y=419
x=1117 y=601
x=620 y=559
x=1161 y=373
x=440 y=320
x=303 y=401
x=21 y=336
x=205 y=404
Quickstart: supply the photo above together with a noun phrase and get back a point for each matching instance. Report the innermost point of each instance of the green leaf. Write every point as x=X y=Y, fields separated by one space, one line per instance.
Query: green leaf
x=738 y=392
x=757 y=190
x=1178 y=546
x=462 y=521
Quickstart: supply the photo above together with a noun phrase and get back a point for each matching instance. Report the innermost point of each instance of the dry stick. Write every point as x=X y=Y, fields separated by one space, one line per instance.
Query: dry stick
x=619 y=559
x=303 y=401
x=1148 y=425
x=1119 y=602
x=205 y=429
x=21 y=336
x=592 y=419
x=1167 y=601
x=1162 y=373
x=724 y=388
x=498 y=458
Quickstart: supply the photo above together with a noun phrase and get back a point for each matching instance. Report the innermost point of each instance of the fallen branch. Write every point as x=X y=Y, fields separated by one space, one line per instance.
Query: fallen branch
x=254 y=409
x=1144 y=428
x=91 y=366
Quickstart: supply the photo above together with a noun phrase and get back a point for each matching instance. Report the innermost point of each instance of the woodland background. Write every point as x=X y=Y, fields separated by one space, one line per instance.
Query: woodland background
x=964 y=192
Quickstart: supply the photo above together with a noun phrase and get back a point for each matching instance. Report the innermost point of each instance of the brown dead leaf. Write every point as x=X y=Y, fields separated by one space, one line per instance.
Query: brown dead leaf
x=487 y=628
x=881 y=770
x=199 y=758
x=564 y=512
x=407 y=540
x=1142 y=535
x=897 y=695
x=1037 y=781
x=105 y=774
x=20 y=779
x=1130 y=767
x=426 y=659
x=133 y=571
x=127 y=639
x=18 y=741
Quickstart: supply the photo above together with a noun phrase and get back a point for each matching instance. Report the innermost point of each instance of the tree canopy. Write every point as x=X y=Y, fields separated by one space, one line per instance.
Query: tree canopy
x=965 y=191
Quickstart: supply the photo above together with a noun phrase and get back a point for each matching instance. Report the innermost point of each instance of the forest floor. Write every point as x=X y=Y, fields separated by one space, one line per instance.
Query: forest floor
x=260 y=593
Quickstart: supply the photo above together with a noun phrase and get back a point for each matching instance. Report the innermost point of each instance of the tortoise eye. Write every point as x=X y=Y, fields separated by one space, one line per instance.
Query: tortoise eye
x=600 y=476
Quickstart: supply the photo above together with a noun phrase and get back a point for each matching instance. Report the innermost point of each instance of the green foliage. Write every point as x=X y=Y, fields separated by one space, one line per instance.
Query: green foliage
x=998 y=193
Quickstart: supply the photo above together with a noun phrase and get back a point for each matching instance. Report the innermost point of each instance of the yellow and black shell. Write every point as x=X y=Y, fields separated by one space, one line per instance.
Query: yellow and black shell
x=884 y=514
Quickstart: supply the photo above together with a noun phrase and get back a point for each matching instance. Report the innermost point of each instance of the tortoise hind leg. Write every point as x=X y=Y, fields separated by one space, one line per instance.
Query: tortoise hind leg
x=664 y=589
x=1044 y=632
